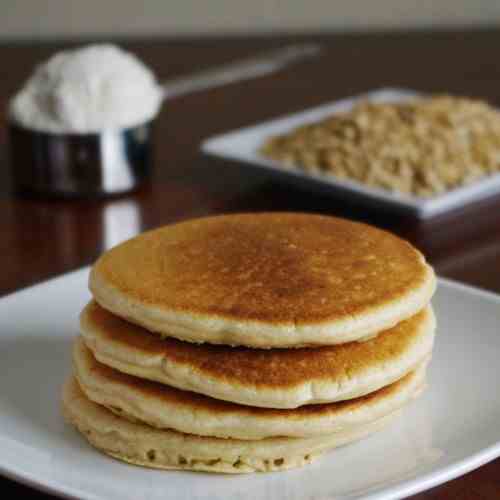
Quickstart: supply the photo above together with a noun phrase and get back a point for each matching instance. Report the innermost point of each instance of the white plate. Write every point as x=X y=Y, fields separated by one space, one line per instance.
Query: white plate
x=242 y=145
x=452 y=429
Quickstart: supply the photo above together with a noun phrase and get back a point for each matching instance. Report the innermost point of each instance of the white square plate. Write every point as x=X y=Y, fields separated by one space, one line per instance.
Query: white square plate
x=450 y=430
x=243 y=145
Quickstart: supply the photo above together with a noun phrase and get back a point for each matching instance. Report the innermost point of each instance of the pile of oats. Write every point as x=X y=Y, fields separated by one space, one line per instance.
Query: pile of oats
x=421 y=147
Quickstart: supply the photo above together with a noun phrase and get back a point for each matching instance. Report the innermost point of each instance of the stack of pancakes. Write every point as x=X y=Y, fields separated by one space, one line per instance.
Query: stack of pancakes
x=249 y=342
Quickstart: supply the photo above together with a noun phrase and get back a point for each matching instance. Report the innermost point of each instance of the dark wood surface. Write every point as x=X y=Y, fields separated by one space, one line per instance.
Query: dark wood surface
x=41 y=238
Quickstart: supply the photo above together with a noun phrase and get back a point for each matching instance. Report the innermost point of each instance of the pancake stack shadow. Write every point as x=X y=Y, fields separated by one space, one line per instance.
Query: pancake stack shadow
x=249 y=342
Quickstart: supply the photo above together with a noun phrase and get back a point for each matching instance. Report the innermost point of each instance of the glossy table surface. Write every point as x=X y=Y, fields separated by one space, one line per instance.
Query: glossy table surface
x=42 y=238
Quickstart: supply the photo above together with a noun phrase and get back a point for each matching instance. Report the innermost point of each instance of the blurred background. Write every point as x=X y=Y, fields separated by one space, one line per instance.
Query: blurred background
x=71 y=19
x=431 y=46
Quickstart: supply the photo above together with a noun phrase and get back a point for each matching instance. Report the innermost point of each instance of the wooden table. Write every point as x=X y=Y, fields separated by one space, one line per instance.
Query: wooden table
x=42 y=238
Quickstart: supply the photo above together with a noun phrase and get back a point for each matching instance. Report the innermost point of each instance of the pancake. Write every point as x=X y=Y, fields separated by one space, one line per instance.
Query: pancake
x=165 y=407
x=167 y=449
x=274 y=378
x=264 y=280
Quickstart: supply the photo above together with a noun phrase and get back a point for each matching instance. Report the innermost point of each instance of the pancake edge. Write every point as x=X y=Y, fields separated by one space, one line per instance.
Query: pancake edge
x=313 y=391
x=233 y=421
x=166 y=449
x=251 y=333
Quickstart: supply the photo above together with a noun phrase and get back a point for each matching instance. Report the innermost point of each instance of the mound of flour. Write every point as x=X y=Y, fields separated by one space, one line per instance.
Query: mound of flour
x=87 y=90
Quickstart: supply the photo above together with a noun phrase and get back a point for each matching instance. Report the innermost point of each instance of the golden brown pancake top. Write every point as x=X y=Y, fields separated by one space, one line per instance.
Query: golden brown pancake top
x=161 y=392
x=279 y=268
x=273 y=368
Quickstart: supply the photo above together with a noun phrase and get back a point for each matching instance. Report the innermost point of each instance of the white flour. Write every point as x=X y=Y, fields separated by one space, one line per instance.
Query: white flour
x=87 y=90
